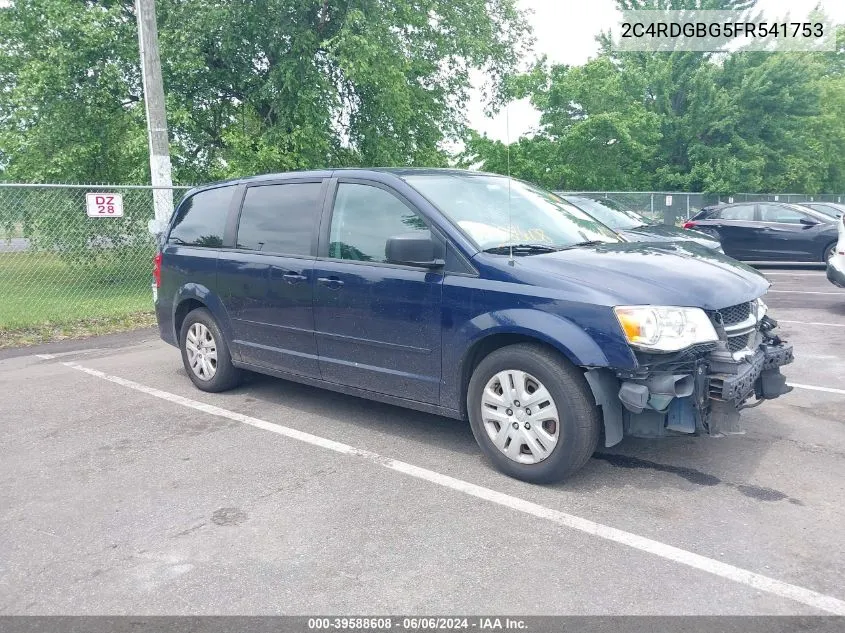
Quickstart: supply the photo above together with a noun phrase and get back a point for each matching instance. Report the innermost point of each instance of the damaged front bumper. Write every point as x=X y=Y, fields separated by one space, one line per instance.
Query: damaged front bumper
x=701 y=390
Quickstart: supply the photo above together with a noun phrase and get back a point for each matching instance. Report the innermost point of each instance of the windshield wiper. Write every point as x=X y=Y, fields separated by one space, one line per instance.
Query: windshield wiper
x=588 y=243
x=505 y=249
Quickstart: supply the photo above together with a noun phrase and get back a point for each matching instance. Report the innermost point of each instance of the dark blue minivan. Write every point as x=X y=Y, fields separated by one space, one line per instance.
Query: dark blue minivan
x=468 y=295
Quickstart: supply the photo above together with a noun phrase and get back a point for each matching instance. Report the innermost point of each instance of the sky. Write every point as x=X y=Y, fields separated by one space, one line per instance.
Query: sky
x=565 y=32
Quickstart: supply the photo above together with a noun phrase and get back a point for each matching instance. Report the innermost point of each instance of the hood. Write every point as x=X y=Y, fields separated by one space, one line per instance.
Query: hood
x=667 y=233
x=669 y=273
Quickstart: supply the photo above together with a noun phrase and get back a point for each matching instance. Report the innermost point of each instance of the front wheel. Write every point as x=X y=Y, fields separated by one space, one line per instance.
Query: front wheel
x=205 y=353
x=828 y=253
x=532 y=413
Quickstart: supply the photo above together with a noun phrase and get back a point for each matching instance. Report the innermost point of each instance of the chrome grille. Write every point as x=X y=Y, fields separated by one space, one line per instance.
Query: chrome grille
x=736 y=314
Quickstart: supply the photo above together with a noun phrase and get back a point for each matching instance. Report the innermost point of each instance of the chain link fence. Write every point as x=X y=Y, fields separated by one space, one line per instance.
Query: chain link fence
x=58 y=265
x=674 y=207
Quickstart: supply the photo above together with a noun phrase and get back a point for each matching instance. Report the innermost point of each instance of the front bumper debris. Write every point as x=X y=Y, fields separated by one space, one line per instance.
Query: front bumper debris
x=756 y=375
x=697 y=391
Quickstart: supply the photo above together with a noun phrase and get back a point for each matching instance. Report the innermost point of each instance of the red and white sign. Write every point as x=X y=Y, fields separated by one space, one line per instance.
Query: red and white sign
x=104 y=205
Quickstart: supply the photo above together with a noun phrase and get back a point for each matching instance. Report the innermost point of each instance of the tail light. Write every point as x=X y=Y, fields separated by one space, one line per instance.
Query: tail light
x=689 y=224
x=157 y=269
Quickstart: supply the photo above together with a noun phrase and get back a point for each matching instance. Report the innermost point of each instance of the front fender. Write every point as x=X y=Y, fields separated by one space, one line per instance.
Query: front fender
x=559 y=332
x=576 y=343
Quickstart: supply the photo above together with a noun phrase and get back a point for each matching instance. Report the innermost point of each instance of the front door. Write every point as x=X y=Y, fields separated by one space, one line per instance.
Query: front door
x=784 y=237
x=267 y=282
x=378 y=325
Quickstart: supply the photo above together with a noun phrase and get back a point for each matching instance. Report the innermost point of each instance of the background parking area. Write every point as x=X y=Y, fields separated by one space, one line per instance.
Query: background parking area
x=138 y=497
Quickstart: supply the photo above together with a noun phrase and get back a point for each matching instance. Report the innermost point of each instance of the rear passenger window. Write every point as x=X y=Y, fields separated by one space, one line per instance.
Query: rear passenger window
x=744 y=212
x=280 y=218
x=364 y=218
x=201 y=219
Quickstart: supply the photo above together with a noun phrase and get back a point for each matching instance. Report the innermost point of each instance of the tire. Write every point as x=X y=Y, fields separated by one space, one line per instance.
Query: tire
x=578 y=419
x=222 y=375
x=828 y=252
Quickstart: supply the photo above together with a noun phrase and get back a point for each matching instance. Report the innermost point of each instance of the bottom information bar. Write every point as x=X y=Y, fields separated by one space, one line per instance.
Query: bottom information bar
x=528 y=624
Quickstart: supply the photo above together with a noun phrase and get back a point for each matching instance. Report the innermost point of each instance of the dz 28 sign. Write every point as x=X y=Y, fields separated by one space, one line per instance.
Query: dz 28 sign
x=104 y=205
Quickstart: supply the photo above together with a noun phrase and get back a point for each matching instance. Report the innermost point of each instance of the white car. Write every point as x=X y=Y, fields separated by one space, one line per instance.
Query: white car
x=836 y=263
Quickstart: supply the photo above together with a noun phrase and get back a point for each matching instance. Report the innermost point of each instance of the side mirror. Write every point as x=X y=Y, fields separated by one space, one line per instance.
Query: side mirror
x=414 y=249
x=808 y=222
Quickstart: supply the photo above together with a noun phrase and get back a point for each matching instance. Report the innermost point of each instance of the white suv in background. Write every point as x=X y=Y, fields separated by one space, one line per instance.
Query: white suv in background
x=836 y=263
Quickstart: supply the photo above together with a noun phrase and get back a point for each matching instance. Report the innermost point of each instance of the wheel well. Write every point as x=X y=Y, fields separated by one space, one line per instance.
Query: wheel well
x=182 y=311
x=486 y=346
x=824 y=250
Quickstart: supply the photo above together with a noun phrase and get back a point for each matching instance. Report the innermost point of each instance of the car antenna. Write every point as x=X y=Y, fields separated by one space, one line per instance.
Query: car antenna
x=508 y=152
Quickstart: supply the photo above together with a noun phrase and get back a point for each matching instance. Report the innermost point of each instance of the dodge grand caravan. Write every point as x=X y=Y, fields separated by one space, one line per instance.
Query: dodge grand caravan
x=467 y=295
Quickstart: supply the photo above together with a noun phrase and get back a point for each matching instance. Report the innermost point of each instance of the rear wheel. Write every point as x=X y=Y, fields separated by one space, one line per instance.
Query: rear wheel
x=532 y=413
x=205 y=353
x=828 y=252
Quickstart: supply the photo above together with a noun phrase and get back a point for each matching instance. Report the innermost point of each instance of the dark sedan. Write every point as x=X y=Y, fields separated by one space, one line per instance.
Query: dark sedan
x=636 y=228
x=769 y=231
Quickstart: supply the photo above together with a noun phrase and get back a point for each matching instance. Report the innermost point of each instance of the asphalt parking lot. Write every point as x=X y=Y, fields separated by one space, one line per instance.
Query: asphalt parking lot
x=123 y=489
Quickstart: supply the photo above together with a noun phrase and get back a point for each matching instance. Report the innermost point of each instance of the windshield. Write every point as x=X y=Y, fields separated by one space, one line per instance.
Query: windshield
x=815 y=213
x=479 y=205
x=608 y=213
x=830 y=209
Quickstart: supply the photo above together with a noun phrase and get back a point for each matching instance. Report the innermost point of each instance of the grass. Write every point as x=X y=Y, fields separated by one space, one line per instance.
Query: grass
x=43 y=299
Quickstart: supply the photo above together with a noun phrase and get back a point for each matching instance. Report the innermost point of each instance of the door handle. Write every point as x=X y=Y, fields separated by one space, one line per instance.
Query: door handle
x=293 y=277
x=331 y=282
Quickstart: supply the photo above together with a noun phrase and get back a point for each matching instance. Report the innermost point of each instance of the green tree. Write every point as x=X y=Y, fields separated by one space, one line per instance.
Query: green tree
x=69 y=108
x=728 y=122
x=251 y=85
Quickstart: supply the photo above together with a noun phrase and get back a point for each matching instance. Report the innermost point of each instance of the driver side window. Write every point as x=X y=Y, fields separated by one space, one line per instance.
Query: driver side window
x=363 y=219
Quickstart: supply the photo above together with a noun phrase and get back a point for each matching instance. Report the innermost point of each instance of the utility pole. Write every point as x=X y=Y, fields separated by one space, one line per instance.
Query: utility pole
x=160 y=171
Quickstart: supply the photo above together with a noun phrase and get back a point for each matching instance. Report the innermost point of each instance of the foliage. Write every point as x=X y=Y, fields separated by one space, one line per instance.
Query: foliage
x=252 y=85
x=270 y=85
x=69 y=109
x=742 y=121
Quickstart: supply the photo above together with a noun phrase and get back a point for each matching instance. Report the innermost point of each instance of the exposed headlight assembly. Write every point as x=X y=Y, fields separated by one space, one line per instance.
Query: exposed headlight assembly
x=664 y=328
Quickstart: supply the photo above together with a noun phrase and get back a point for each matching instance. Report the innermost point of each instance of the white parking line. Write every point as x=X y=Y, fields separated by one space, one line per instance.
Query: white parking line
x=696 y=561
x=808 y=292
x=811 y=323
x=814 y=388
x=820 y=273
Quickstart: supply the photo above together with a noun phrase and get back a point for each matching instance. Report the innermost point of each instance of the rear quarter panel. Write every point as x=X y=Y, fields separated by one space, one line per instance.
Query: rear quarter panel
x=188 y=273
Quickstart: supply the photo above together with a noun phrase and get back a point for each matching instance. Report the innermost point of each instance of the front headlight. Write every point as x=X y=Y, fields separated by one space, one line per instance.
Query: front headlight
x=664 y=328
x=762 y=308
